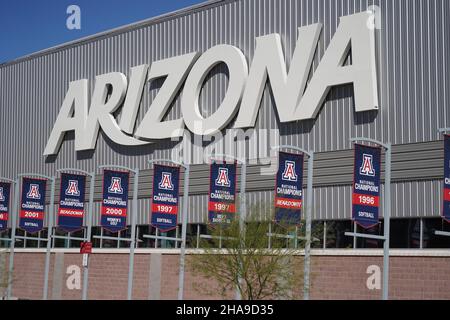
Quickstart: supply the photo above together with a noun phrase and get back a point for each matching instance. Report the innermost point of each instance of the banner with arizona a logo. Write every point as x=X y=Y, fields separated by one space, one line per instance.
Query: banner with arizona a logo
x=5 y=191
x=71 y=203
x=165 y=198
x=32 y=205
x=289 y=189
x=222 y=193
x=446 y=197
x=366 y=185
x=115 y=200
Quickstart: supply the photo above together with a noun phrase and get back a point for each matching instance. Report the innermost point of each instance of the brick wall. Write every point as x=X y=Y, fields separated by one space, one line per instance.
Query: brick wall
x=332 y=277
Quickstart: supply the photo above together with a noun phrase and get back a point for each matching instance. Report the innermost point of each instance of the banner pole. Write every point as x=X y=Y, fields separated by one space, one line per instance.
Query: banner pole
x=89 y=232
x=387 y=216
x=183 y=233
x=308 y=225
x=133 y=233
x=49 y=239
x=13 y=237
x=243 y=209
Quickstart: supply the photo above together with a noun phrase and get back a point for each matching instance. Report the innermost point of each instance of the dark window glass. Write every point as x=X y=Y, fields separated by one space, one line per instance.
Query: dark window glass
x=77 y=234
x=43 y=235
x=20 y=243
x=60 y=243
x=204 y=230
x=163 y=243
x=5 y=234
x=336 y=237
x=125 y=234
x=365 y=243
x=430 y=239
x=146 y=242
x=95 y=231
x=30 y=243
x=109 y=243
x=317 y=234
x=404 y=233
x=191 y=236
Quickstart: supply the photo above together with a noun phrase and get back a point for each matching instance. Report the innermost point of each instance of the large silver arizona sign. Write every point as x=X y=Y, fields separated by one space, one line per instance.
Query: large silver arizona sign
x=295 y=99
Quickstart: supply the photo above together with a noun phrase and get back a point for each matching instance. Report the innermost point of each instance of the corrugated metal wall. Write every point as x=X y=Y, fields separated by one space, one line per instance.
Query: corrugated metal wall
x=414 y=91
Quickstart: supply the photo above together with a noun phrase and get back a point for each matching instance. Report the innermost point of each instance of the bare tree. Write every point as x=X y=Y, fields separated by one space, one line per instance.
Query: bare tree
x=243 y=261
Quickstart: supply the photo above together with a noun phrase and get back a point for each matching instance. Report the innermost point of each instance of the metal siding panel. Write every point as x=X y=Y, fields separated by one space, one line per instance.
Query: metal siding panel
x=413 y=86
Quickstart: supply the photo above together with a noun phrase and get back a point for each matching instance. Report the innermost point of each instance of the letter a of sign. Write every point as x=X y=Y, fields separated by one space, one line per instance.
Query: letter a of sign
x=366 y=168
x=72 y=189
x=166 y=181
x=2 y=197
x=289 y=171
x=34 y=192
x=222 y=178
x=116 y=186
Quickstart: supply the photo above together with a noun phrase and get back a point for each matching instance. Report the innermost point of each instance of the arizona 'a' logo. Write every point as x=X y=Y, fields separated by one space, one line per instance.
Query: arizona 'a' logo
x=289 y=171
x=166 y=181
x=366 y=168
x=116 y=186
x=2 y=197
x=33 y=193
x=222 y=178
x=72 y=188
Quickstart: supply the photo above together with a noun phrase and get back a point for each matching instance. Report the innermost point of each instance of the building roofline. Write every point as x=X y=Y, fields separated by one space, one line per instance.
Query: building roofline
x=116 y=31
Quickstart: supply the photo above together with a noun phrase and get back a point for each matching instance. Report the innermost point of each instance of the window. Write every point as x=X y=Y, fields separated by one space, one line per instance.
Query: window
x=144 y=242
x=335 y=235
x=5 y=234
x=95 y=231
x=404 y=233
x=430 y=239
x=365 y=243
x=317 y=229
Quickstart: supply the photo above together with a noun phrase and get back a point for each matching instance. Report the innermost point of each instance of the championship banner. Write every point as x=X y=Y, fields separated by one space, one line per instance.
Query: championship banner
x=71 y=203
x=32 y=205
x=366 y=185
x=165 y=197
x=115 y=200
x=5 y=191
x=446 y=197
x=289 y=189
x=222 y=193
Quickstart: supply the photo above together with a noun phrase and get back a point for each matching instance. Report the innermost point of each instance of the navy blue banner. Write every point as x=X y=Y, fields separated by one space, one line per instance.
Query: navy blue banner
x=115 y=200
x=32 y=204
x=5 y=192
x=366 y=185
x=71 y=203
x=222 y=193
x=289 y=189
x=446 y=196
x=165 y=197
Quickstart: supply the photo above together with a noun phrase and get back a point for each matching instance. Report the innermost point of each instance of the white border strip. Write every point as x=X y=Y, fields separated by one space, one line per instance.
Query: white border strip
x=314 y=252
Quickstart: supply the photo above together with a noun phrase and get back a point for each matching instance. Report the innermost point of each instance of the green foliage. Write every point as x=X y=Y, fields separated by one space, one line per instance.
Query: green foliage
x=3 y=275
x=245 y=263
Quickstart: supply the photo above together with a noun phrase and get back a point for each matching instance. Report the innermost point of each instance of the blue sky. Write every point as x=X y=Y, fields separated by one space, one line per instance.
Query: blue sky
x=27 y=26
